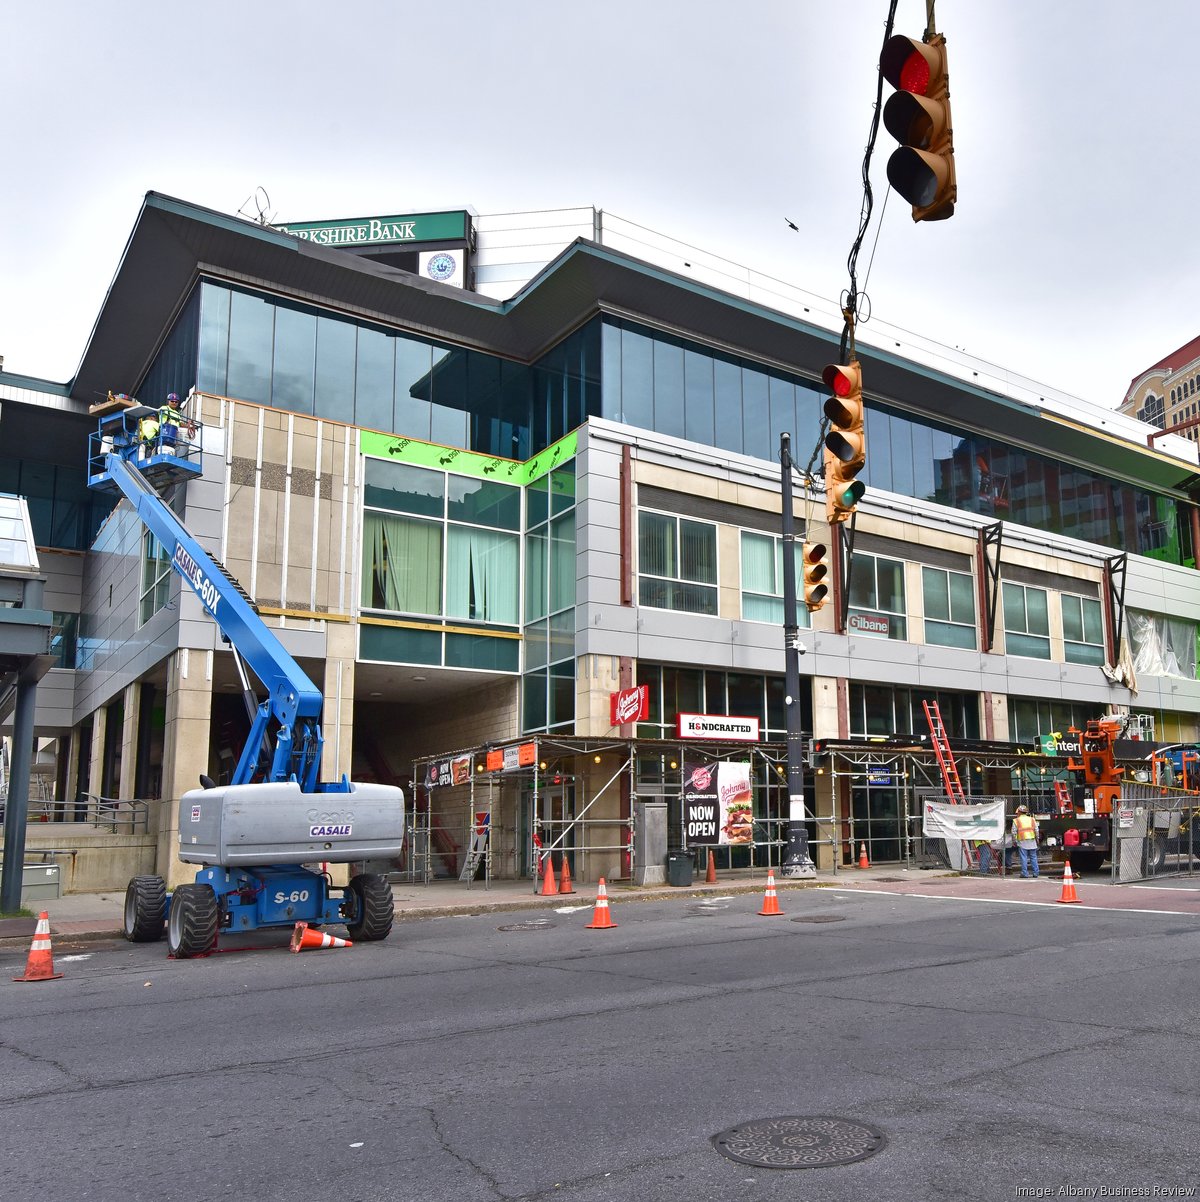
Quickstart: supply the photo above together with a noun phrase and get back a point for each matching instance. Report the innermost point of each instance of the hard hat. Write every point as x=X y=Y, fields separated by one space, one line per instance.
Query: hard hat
x=172 y=398
x=1022 y=809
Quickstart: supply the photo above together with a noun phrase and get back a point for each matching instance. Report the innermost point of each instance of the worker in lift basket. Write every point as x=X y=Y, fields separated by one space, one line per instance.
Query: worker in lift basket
x=169 y=419
x=1025 y=832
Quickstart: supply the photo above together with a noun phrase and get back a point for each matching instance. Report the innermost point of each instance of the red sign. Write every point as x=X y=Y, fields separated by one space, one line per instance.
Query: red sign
x=630 y=705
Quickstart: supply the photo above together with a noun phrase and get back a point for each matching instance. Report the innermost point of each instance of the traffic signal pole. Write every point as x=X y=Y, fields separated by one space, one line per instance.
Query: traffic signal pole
x=797 y=862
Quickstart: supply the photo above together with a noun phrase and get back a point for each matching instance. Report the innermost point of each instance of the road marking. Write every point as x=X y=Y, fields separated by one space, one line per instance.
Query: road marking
x=68 y=959
x=1004 y=901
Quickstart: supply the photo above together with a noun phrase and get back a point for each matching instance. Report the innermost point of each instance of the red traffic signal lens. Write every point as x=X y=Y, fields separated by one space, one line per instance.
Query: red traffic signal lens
x=914 y=75
x=842 y=380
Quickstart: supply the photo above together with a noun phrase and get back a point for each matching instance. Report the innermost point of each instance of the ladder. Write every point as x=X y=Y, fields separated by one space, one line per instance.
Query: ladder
x=945 y=759
x=478 y=848
x=941 y=748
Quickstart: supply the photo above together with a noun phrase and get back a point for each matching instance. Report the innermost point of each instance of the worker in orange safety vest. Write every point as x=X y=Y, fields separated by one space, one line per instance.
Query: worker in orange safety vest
x=1025 y=835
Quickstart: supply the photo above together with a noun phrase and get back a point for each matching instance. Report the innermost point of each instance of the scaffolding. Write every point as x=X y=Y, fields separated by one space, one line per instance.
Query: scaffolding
x=558 y=796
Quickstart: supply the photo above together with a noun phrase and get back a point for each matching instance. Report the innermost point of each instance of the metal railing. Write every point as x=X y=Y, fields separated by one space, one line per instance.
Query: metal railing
x=116 y=815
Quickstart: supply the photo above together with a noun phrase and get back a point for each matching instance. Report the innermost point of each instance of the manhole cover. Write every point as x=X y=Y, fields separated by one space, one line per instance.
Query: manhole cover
x=532 y=924
x=799 y=1143
x=706 y=908
x=890 y=880
x=821 y=918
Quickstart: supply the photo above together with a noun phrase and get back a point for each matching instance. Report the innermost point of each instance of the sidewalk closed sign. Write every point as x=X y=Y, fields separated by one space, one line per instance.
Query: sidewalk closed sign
x=946 y=821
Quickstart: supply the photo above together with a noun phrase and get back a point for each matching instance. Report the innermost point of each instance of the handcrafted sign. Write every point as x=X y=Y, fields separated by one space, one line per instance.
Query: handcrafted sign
x=717 y=726
x=718 y=802
x=629 y=705
x=944 y=820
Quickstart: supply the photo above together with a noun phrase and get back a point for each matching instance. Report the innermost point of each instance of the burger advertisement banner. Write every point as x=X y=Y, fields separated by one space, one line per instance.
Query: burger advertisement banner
x=718 y=802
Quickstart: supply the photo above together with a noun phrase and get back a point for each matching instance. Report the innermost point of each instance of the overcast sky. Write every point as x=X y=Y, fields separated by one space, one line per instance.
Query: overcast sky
x=1072 y=256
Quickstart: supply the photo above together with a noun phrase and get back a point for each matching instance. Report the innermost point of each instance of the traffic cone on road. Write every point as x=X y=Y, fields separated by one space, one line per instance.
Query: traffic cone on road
x=565 y=885
x=863 y=862
x=304 y=939
x=601 y=919
x=40 y=965
x=1068 y=892
x=710 y=876
x=770 y=898
x=549 y=888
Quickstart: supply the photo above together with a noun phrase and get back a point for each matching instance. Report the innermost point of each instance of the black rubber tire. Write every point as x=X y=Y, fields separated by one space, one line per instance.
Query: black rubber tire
x=145 y=909
x=1086 y=861
x=372 y=906
x=194 y=921
x=1156 y=853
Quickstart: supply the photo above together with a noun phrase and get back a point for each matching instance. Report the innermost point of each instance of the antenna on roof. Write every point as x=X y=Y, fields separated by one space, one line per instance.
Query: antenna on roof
x=262 y=204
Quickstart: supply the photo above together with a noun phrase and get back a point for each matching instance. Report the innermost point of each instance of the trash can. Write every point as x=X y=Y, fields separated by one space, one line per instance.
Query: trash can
x=679 y=868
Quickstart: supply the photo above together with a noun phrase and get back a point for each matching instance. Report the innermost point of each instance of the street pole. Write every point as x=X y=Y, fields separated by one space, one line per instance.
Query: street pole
x=797 y=862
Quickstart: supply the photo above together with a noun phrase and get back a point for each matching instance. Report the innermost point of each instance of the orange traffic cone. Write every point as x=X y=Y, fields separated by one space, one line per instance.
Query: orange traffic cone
x=710 y=877
x=565 y=884
x=770 y=898
x=863 y=862
x=1068 y=893
x=40 y=965
x=549 y=888
x=601 y=919
x=305 y=940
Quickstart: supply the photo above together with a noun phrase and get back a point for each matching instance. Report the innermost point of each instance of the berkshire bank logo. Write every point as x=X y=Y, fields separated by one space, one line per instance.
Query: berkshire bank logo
x=441 y=268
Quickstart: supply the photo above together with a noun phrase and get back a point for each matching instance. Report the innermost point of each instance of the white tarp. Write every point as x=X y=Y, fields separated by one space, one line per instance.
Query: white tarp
x=946 y=821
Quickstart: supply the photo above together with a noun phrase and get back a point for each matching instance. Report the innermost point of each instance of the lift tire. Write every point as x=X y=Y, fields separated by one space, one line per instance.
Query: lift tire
x=1156 y=853
x=194 y=921
x=145 y=909
x=373 y=907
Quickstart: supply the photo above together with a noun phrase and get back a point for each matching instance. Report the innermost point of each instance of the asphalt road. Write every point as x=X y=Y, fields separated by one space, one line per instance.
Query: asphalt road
x=996 y=1047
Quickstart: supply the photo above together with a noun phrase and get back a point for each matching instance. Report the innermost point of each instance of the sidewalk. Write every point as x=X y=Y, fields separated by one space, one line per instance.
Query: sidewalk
x=86 y=916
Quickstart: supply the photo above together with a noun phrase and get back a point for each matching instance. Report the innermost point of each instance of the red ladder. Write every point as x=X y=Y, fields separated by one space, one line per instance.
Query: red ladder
x=945 y=759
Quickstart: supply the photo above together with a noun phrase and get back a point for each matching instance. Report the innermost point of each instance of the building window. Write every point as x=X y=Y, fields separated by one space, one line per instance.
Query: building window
x=440 y=546
x=1026 y=621
x=156 y=578
x=949 y=608
x=677 y=563
x=877 y=597
x=1083 y=629
x=762 y=580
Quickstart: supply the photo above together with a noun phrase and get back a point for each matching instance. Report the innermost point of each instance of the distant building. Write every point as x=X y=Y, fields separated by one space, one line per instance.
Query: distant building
x=1165 y=395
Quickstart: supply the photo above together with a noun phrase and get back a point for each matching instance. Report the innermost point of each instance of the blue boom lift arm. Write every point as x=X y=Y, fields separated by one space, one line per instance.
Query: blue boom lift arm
x=119 y=461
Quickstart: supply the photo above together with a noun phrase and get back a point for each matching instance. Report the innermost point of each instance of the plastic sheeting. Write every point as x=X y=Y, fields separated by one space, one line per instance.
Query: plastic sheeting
x=1162 y=646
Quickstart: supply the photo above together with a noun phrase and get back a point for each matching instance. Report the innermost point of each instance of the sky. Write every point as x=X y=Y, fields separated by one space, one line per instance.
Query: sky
x=1070 y=258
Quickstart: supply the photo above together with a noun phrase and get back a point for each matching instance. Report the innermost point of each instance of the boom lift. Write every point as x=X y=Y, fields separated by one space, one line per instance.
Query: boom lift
x=255 y=835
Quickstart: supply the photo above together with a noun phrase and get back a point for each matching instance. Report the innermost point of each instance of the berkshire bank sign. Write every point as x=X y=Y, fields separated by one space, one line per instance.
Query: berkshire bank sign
x=367 y=231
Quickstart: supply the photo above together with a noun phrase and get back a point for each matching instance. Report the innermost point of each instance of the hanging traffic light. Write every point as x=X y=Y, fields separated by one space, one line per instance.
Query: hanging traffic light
x=846 y=442
x=815 y=569
x=918 y=117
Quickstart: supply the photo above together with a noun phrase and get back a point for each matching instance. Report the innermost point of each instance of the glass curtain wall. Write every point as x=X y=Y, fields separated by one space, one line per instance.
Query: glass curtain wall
x=275 y=352
x=548 y=684
x=661 y=383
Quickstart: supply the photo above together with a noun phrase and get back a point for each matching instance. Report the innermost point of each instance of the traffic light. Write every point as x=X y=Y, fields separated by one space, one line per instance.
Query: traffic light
x=846 y=442
x=918 y=117
x=815 y=569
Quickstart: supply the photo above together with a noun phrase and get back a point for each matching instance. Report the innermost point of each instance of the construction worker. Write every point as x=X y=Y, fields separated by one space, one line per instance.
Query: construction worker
x=1025 y=835
x=148 y=432
x=983 y=850
x=169 y=420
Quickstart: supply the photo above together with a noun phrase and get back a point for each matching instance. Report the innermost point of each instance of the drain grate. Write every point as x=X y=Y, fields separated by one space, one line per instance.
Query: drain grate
x=799 y=1143
x=821 y=918
x=531 y=924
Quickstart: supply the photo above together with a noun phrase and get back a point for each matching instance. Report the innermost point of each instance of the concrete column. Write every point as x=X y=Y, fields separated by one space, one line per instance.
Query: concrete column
x=68 y=746
x=185 y=753
x=337 y=724
x=96 y=753
x=127 y=785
